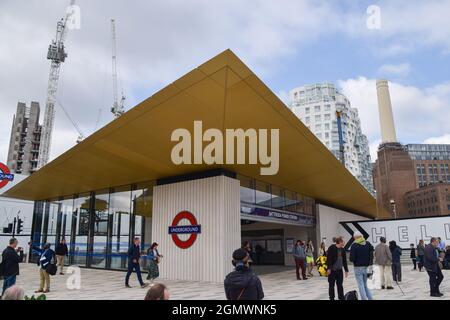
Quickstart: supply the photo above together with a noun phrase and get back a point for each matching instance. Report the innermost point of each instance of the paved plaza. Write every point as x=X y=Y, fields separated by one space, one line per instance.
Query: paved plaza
x=279 y=284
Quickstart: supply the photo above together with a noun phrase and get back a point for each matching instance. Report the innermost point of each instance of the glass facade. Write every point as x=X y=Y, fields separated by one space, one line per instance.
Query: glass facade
x=262 y=194
x=98 y=226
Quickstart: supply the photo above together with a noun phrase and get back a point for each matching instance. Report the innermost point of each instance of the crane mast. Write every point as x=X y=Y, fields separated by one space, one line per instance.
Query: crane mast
x=118 y=107
x=57 y=55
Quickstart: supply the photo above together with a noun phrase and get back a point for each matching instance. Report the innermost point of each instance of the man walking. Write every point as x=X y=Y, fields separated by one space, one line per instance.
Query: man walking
x=383 y=258
x=361 y=254
x=134 y=254
x=431 y=264
x=299 y=257
x=11 y=257
x=336 y=260
x=61 y=252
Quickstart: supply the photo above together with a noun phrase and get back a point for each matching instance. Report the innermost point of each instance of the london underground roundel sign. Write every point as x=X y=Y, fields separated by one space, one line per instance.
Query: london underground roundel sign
x=5 y=175
x=193 y=229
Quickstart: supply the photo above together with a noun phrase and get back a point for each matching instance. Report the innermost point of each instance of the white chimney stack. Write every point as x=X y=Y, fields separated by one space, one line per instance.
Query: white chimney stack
x=385 y=112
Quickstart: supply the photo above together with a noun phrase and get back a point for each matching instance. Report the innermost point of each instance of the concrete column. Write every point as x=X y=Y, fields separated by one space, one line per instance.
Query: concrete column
x=385 y=112
x=215 y=203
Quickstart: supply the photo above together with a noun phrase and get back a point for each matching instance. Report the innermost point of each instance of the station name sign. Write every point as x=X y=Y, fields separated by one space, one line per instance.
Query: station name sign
x=277 y=215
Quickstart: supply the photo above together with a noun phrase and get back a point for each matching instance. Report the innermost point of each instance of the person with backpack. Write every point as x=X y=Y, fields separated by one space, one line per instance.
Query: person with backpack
x=383 y=258
x=396 y=252
x=420 y=254
x=336 y=261
x=46 y=255
x=9 y=268
x=361 y=254
x=242 y=283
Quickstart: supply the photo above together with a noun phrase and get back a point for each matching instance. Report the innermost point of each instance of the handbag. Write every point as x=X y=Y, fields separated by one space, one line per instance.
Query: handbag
x=51 y=269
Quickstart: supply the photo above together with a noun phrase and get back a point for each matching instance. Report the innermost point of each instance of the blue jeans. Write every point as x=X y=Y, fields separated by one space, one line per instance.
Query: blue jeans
x=8 y=282
x=361 y=280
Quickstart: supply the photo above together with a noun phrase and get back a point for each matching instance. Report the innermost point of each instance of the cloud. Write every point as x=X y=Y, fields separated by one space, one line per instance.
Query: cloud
x=396 y=70
x=418 y=112
x=444 y=139
x=158 y=41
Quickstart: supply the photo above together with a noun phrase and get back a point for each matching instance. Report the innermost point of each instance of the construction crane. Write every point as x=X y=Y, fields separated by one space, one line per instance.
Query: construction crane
x=57 y=55
x=81 y=135
x=341 y=138
x=118 y=107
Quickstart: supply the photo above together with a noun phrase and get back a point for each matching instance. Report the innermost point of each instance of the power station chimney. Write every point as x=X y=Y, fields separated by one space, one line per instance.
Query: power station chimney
x=385 y=112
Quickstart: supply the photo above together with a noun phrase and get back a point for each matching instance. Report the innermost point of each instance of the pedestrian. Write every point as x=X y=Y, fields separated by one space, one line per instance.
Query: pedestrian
x=431 y=264
x=11 y=257
x=383 y=258
x=300 y=259
x=413 y=256
x=242 y=283
x=322 y=250
x=46 y=255
x=61 y=252
x=361 y=254
x=13 y=293
x=134 y=255
x=420 y=254
x=157 y=291
x=336 y=260
x=396 y=252
x=153 y=259
x=447 y=258
x=310 y=257
x=248 y=247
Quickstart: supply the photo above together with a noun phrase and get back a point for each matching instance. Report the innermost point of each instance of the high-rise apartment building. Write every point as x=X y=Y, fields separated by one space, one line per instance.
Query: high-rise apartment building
x=25 y=139
x=317 y=105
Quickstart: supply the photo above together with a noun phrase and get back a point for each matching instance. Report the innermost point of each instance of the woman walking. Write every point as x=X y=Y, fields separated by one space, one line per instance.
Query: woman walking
x=153 y=258
x=310 y=257
x=322 y=250
x=420 y=254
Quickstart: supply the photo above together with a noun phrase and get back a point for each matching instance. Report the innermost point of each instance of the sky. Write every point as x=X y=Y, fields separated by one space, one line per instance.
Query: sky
x=287 y=43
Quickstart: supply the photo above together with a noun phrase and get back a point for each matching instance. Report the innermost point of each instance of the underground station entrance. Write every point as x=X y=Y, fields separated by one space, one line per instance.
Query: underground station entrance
x=272 y=243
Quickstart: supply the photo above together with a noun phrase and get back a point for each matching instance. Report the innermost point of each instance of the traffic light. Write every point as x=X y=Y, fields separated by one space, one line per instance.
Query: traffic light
x=8 y=229
x=19 y=226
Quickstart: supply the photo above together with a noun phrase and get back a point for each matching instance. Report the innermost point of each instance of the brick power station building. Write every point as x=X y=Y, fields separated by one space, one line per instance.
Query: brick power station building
x=413 y=179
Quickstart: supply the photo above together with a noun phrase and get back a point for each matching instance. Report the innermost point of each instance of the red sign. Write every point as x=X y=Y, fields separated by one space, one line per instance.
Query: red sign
x=5 y=175
x=193 y=229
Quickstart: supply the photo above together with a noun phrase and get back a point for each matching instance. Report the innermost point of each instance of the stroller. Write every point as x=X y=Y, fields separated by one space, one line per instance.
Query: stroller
x=321 y=264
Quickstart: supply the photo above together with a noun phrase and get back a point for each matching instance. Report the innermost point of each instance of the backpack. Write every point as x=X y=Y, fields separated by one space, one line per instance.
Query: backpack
x=351 y=295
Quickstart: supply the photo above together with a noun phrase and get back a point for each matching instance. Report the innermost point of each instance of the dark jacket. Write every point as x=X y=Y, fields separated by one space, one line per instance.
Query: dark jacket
x=332 y=256
x=10 y=262
x=243 y=284
x=61 y=249
x=134 y=253
x=361 y=254
x=396 y=253
x=413 y=253
x=45 y=256
x=431 y=260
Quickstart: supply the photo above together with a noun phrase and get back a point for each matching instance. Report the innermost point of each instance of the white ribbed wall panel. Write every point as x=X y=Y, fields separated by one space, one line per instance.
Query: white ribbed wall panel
x=215 y=202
